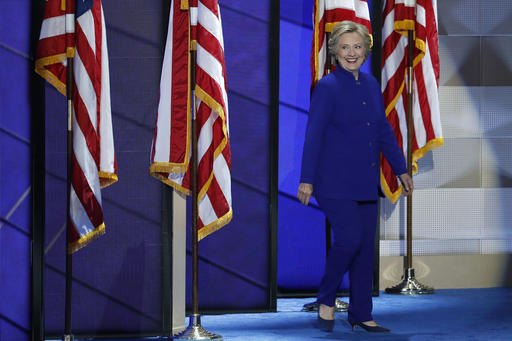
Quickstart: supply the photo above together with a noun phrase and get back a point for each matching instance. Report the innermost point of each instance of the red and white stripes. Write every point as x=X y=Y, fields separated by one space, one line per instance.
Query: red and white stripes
x=93 y=163
x=171 y=143
x=326 y=14
x=56 y=42
x=398 y=17
x=214 y=180
x=170 y=152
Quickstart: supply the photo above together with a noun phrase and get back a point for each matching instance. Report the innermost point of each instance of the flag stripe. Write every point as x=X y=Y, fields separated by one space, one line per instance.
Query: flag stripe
x=221 y=168
x=212 y=88
x=422 y=122
x=87 y=62
x=208 y=20
x=210 y=43
x=215 y=191
x=179 y=89
x=52 y=45
x=108 y=162
x=84 y=123
x=52 y=27
x=89 y=196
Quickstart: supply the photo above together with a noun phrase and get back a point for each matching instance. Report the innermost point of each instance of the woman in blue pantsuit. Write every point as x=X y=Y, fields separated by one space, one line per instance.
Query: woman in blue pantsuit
x=346 y=132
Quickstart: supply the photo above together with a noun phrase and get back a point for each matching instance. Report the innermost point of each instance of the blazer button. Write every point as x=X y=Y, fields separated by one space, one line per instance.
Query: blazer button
x=368 y=124
x=370 y=143
x=373 y=164
x=364 y=103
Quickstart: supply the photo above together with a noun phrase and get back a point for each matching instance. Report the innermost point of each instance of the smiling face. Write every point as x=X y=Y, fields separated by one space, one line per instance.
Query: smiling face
x=351 y=52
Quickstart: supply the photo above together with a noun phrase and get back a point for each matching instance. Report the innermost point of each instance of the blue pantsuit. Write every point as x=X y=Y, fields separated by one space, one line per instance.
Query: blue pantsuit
x=352 y=250
x=346 y=133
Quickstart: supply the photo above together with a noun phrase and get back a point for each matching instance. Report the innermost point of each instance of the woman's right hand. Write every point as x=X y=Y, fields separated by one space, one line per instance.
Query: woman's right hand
x=304 y=193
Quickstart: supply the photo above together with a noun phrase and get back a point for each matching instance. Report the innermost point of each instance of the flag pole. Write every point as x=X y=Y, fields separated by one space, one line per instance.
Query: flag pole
x=194 y=331
x=409 y=285
x=339 y=305
x=70 y=24
x=69 y=257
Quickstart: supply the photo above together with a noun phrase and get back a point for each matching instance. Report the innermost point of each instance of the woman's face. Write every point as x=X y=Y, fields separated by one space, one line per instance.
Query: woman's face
x=351 y=51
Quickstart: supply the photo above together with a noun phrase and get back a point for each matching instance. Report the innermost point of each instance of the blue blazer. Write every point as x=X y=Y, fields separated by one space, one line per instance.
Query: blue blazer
x=346 y=132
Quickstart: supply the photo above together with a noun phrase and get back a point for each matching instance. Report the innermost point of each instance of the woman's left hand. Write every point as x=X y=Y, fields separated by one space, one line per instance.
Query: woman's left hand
x=407 y=184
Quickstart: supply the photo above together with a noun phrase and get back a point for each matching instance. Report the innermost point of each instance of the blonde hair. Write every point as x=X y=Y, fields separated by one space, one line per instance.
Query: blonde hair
x=348 y=26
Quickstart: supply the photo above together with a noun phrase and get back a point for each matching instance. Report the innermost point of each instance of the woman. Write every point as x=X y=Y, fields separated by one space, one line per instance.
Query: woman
x=346 y=132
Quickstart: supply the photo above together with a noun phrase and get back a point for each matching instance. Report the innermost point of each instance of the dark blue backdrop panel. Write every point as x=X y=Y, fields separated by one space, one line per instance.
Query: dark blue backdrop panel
x=291 y=138
x=298 y=12
x=14 y=283
x=259 y=10
x=249 y=144
x=234 y=261
x=15 y=198
x=301 y=237
x=15 y=26
x=246 y=42
x=294 y=69
x=233 y=267
x=15 y=138
x=116 y=278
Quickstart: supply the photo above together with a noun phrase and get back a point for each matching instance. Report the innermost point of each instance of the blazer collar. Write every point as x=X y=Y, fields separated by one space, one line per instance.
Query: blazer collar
x=341 y=72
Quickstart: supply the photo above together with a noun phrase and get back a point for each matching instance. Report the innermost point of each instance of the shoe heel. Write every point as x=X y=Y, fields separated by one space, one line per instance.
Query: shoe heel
x=326 y=325
x=371 y=329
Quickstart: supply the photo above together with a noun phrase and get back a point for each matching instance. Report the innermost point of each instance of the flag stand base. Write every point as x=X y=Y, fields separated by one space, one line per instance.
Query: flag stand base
x=410 y=286
x=340 y=306
x=69 y=337
x=195 y=331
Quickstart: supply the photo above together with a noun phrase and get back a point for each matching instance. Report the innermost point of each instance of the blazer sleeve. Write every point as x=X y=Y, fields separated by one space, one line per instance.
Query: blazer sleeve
x=388 y=143
x=320 y=109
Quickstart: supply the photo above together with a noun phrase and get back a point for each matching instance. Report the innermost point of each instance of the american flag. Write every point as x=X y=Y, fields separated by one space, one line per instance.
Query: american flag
x=56 y=42
x=326 y=14
x=171 y=151
x=398 y=17
x=93 y=163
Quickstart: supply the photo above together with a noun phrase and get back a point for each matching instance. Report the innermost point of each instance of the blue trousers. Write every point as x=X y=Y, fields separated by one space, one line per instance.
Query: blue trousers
x=353 y=224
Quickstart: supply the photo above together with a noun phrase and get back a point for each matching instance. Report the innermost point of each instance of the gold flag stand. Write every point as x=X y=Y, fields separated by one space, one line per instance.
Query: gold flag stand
x=409 y=285
x=194 y=331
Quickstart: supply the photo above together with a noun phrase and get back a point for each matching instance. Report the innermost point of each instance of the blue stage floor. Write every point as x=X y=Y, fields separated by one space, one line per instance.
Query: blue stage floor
x=469 y=314
x=472 y=314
